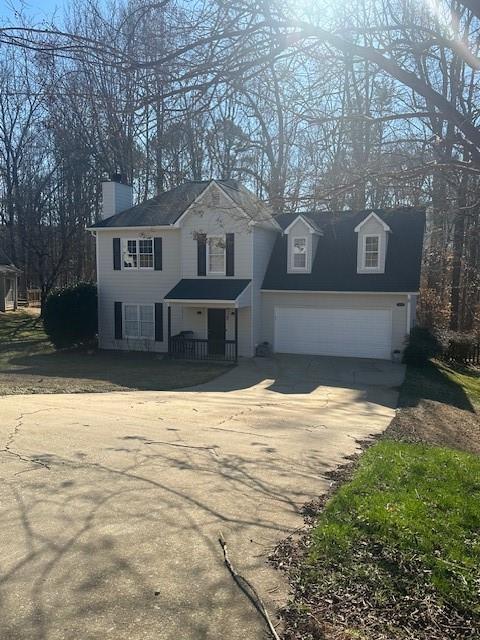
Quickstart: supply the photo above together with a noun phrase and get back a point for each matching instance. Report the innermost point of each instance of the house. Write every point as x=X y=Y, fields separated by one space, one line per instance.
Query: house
x=206 y=271
x=9 y=275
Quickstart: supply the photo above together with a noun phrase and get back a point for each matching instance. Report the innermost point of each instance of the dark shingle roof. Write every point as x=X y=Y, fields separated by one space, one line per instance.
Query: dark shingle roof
x=4 y=259
x=167 y=207
x=335 y=263
x=207 y=289
x=5 y=262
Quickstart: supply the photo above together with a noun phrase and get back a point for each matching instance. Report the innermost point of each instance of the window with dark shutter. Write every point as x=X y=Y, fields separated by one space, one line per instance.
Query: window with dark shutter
x=230 y=254
x=159 y=322
x=158 y=258
x=118 y=321
x=116 y=254
x=201 y=254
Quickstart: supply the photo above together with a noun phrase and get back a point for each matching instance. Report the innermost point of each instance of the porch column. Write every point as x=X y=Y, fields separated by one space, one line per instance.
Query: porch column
x=236 y=334
x=169 y=330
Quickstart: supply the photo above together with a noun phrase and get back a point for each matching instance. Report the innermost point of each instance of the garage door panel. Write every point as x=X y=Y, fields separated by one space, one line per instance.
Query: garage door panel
x=363 y=333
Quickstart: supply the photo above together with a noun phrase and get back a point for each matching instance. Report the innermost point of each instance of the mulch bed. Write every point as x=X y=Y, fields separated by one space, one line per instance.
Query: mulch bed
x=336 y=606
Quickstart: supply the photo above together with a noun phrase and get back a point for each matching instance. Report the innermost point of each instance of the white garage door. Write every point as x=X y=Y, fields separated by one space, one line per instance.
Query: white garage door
x=360 y=333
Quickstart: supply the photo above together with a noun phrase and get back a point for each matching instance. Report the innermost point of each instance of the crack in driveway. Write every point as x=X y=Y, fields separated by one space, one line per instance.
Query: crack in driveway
x=12 y=436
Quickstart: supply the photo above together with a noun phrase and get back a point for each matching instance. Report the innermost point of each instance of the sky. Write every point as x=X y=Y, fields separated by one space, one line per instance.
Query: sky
x=37 y=9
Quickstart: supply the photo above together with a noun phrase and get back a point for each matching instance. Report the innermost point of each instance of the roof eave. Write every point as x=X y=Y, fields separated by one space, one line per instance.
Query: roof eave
x=311 y=228
x=129 y=227
x=372 y=214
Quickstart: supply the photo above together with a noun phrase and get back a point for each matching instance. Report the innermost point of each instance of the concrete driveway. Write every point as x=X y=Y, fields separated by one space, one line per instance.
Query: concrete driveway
x=111 y=504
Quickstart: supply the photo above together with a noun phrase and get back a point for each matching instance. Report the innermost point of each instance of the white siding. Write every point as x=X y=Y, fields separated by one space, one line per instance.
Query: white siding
x=8 y=291
x=263 y=241
x=219 y=217
x=216 y=219
x=245 y=332
x=142 y=286
x=2 y=292
x=337 y=301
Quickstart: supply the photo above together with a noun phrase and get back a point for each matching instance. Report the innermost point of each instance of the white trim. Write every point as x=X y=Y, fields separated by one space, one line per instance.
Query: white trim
x=292 y=267
x=124 y=321
x=306 y=223
x=373 y=293
x=268 y=222
x=125 y=241
x=244 y=213
x=212 y=183
x=409 y=313
x=223 y=239
x=377 y=218
x=363 y=267
x=131 y=228
x=232 y=303
x=177 y=222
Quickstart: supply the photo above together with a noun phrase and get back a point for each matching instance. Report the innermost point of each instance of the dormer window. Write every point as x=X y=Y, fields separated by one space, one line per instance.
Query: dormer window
x=299 y=253
x=372 y=244
x=371 y=252
x=302 y=241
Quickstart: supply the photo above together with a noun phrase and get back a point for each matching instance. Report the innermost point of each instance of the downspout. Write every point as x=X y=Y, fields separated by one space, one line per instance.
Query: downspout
x=409 y=313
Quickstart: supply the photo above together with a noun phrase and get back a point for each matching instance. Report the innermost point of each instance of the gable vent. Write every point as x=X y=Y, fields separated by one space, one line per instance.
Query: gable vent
x=215 y=198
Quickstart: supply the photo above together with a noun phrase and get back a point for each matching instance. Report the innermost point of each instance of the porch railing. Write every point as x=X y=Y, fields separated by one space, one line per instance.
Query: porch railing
x=200 y=349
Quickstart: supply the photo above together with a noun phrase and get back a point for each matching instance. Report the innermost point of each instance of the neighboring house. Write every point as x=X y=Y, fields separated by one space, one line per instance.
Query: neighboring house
x=9 y=275
x=209 y=259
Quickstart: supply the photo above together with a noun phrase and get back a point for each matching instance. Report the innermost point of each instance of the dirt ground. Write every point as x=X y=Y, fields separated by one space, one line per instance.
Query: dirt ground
x=437 y=423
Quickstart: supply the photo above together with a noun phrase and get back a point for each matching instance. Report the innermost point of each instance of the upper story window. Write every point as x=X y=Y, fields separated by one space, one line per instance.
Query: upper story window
x=299 y=253
x=138 y=253
x=371 y=252
x=216 y=254
x=372 y=244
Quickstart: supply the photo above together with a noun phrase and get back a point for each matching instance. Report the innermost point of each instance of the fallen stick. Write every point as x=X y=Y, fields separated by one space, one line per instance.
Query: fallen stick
x=248 y=589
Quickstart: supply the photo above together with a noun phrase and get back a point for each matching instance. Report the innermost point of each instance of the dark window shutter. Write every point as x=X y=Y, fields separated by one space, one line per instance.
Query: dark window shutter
x=230 y=254
x=157 y=249
x=118 y=321
x=116 y=254
x=158 y=322
x=201 y=254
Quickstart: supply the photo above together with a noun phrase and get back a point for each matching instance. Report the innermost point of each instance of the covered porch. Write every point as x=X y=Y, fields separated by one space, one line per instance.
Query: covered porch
x=208 y=319
x=8 y=287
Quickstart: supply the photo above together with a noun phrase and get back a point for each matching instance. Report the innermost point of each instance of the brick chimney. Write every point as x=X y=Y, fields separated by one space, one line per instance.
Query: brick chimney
x=117 y=195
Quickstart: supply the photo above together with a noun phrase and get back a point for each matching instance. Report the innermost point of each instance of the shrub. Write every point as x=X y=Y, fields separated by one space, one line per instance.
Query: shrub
x=460 y=345
x=423 y=344
x=70 y=315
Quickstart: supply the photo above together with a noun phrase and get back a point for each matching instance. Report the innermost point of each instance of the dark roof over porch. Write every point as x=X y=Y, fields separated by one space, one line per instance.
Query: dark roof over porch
x=204 y=289
x=6 y=265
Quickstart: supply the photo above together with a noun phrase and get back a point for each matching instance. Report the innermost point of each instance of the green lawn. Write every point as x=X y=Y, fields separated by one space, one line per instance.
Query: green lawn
x=29 y=364
x=421 y=502
x=395 y=551
x=453 y=385
x=465 y=378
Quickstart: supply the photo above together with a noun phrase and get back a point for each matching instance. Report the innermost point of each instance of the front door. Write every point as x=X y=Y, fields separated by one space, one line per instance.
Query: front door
x=216 y=331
